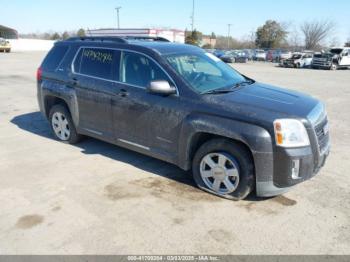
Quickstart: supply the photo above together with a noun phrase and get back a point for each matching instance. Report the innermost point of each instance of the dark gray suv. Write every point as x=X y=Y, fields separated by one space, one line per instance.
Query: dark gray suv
x=177 y=103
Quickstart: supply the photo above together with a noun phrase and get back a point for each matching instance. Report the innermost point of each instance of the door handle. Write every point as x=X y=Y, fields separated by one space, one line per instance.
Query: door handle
x=123 y=93
x=74 y=82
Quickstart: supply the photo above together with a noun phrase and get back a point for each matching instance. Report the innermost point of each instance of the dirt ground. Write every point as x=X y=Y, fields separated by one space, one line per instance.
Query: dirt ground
x=96 y=198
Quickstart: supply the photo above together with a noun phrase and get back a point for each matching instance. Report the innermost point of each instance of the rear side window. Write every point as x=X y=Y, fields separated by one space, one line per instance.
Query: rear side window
x=54 y=58
x=97 y=62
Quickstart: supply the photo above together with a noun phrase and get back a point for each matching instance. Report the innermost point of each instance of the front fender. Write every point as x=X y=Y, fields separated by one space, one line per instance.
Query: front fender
x=256 y=138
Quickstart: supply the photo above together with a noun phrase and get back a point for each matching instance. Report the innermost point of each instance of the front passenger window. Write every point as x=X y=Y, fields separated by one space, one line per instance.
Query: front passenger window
x=138 y=70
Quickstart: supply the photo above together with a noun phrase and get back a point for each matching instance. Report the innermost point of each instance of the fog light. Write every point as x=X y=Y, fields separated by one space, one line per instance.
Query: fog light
x=295 y=168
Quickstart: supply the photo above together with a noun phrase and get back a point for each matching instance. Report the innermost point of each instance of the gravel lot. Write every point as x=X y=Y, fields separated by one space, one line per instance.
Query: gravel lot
x=96 y=198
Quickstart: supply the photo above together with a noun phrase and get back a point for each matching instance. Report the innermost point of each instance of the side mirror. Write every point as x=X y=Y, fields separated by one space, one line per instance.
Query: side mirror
x=161 y=87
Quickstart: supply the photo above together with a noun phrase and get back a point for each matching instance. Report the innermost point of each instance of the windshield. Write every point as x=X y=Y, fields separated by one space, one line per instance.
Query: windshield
x=296 y=56
x=336 y=51
x=204 y=72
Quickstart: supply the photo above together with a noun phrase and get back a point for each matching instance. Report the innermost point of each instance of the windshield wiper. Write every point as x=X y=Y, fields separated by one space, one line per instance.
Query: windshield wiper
x=218 y=91
x=246 y=82
x=228 y=90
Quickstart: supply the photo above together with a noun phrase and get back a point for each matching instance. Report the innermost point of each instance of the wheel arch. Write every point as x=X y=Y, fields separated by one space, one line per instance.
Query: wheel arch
x=50 y=94
x=198 y=129
x=50 y=101
x=200 y=138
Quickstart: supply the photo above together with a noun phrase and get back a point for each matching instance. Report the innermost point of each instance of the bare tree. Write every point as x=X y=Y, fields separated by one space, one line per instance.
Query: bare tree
x=315 y=32
x=294 y=41
x=347 y=44
x=334 y=42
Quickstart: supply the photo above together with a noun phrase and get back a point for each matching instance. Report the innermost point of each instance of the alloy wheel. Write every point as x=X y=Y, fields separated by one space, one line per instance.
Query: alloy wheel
x=60 y=126
x=220 y=173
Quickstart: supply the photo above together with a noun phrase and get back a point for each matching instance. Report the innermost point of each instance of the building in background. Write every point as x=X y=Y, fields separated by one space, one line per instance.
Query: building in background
x=208 y=40
x=8 y=33
x=173 y=35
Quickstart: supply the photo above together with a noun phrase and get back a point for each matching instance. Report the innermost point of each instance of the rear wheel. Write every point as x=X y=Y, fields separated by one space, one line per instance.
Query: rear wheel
x=224 y=168
x=62 y=125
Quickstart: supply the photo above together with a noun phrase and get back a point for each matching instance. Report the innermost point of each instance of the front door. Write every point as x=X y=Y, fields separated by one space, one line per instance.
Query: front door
x=143 y=120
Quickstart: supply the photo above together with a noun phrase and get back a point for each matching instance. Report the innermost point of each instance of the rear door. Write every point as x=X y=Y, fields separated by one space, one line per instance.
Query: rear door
x=94 y=76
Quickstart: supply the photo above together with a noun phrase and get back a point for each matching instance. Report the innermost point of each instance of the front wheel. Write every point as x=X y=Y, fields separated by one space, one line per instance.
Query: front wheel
x=334 y=67
x=224 y=168
x=62 y=125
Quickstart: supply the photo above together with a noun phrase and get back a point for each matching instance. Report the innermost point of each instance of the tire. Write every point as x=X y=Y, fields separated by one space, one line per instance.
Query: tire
x=238 y=163
x=62 y=125
x=333 y=67
x=297 y=65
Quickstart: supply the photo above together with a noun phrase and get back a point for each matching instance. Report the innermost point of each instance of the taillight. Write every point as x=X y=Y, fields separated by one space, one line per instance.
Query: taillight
x=39 y=73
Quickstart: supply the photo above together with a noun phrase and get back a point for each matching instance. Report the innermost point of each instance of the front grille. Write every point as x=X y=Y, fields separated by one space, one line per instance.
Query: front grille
x=320 y=62
x=322 y=137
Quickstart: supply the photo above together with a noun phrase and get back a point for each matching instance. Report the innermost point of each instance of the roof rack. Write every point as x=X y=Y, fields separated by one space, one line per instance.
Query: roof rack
x=99 y=38
x=118 y=39
x=146 y=38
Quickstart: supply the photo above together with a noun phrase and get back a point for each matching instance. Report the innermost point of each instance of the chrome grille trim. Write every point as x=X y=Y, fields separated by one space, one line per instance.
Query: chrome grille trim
x=318 y=119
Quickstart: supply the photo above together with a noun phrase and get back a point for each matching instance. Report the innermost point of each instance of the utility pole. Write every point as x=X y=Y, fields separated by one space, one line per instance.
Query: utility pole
x=192 y=16
x=118 y=22
x=228 y=35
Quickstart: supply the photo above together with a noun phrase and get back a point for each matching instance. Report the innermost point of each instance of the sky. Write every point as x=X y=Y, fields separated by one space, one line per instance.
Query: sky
x=210 y=15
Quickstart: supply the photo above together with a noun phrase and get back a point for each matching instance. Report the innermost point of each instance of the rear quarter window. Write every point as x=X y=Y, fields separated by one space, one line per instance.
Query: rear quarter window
x=97 y=62
x=54 y=58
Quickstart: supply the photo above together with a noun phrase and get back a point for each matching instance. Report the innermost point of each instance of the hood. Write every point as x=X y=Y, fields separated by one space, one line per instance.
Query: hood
x=261 y=97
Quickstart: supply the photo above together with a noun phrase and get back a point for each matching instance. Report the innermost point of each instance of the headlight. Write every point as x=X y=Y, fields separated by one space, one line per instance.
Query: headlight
x=290 y=133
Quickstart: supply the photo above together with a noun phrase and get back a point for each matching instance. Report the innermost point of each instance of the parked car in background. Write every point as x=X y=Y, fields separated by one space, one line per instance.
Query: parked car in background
x=285 y=55
x=241 y=56
x=229 y=57
x=298 y=60
x=219 y=53
x=259 y=55
x=235 y=56
x=5 y=45
x=249 y=53
x=333 y=59
x=272 y=55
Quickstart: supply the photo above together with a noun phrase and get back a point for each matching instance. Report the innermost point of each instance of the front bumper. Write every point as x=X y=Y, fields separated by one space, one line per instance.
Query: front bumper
x=306 y=160
x=288 y=64
x=283 y=179
x=322 y=64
